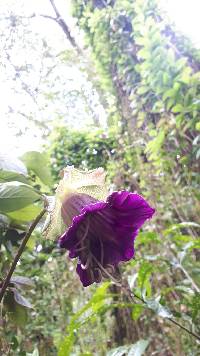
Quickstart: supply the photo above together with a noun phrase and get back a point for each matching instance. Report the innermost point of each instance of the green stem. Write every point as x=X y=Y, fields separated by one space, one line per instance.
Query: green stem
x=131 y=295
x=189 y=278
x=19 y=252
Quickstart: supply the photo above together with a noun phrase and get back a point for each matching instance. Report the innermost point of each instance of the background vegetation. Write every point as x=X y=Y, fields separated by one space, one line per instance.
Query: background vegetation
x=145 y=77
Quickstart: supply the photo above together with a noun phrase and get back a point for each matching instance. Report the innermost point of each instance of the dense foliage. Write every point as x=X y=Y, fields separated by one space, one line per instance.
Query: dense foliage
x=149 y=80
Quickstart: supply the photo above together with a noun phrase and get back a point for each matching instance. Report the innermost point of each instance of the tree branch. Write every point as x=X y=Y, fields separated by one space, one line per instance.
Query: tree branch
x=64 y=27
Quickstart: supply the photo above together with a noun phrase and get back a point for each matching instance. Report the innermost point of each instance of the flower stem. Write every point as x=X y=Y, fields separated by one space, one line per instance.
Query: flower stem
x=19 y=252
x=132 y=295
x=189 y=278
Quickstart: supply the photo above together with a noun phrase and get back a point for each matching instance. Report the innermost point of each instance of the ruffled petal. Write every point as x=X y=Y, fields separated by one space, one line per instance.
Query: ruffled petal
x=110 y=228
x=84 y=275
x=132 y=209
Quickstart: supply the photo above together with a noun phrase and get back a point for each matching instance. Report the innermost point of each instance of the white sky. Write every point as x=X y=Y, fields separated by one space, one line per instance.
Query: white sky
x=184 y=13
x=186 y=16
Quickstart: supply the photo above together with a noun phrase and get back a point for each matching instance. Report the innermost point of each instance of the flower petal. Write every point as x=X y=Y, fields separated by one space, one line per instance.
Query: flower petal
x=110 y=228
x=132 y=208
x=70 y=237
x=85 y=275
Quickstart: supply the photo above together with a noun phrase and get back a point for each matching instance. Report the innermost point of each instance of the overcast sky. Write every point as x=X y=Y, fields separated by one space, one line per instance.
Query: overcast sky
x=184 y=13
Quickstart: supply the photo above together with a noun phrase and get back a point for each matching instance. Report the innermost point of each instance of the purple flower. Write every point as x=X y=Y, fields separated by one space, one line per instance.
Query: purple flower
x=101 y=233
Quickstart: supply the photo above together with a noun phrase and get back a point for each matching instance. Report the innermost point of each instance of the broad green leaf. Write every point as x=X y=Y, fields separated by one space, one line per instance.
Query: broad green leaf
x=146 y=238
x=34 y=353
x=181 y=63
x=20 y=299
x=166 y=78
x=142 y=90
x=27 y=213
x=170 y=103
x=18 y=315
x=158 y=308
x=15 y=196
x=14 y=343
x=84 y=315
x=10 y=164
x=144 y=274
x=169 y=93
x=185 y=75
x=137 y=311
x=155 y=145
x=38 y=163
x=179 y=119
x=119 y=351
x=140 y=118
x=177 y=108
x=179 y=226
x=66 y=345
x=6 y=176
x=16 y=312
x=22 y=281
x=138 y=348
x=181 y=239
x=143 y=53
x=12 y=169
x=187 y=290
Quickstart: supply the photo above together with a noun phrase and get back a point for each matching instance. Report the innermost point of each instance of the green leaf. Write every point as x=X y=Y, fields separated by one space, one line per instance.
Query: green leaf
x=155 y=145
x=142 y=90
x=16 y=312
x=34 y=353
x=85 y=314
x=11 y=164
x=177 y=108
x=14 y=343
x=166 y=78
x=144 y=274
x=18 y=315
x=137 y=311
x=16 y=195
x=138 y=348
x=197 y=126
x=195 y=305
x=22 y=281
x=12 y=169
x=181 y=63
x=143 y=53
x=38 y=163
x=6 y=176
x=158 y=308
x=119 y=351
x=179 y=226
x=170 y=103
x=179 y=119
x=25 y=214
x=169 y=94
x=20 y=299
x=146 y=238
